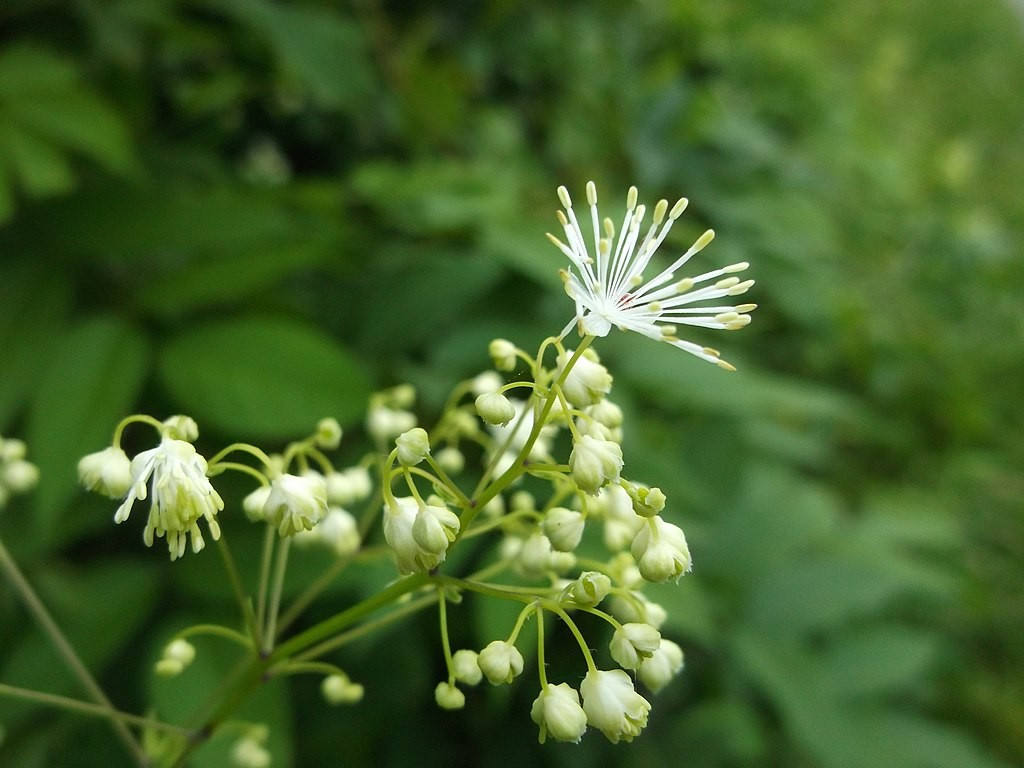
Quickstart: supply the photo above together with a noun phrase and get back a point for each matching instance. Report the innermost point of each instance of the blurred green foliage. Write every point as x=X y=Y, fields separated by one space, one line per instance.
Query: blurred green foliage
x=253 y=211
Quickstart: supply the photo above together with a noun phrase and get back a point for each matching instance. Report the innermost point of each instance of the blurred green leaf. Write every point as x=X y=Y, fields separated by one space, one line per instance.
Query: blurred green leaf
x=90 y=382
x=46 y=112
x=263 y=377
x=320 y=48
x=36 y=303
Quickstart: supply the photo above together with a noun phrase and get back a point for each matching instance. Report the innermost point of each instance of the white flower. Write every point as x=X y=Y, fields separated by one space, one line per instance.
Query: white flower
x=175 y=475
x=558 y=712
x=418 y=534
x=594 y=462
x=108 y=472
x=609 y=287
x=632 y=643
x=660 y=551
x=665 y=663
x=295 y=503
x=613 y=706
x=434 y=529
x=587 y=381
x=500 y=662
x=247 y=752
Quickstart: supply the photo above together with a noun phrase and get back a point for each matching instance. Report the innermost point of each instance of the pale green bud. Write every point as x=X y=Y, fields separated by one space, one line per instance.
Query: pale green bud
x=665 y=663
x=254 y=504
x=660 y=551
x=558 y=712
x=465 y=667
x=250 y=752
x=451 y=459
x=607 y=413
x=107 y=472
x=595 y=463
x=434 y=529
x=20 y=476
x=177 y=655
x=564 y=527
x=413 y=446
x=495 y=408
x=448 y=696
x=631 y=643
x=500 y=662
x=348 y=486
x=589 y=589
x=181 y=428
x=488 y=381
x=384 y=424
x=338 y=689
x=587 y=382
x=534 y=558
x=647 y=502
x=503 y=354
x=328 y=434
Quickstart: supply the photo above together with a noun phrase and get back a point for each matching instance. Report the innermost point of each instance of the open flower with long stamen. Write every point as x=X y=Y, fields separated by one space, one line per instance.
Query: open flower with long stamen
x=610 y=288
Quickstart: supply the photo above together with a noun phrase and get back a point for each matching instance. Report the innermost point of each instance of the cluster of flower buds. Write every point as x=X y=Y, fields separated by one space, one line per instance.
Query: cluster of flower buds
x=17 y=475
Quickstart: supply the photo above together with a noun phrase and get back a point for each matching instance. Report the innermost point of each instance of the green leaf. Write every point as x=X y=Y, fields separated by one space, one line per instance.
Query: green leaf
x=35 y=301
x=320 y=48
x=90 y=383
x=262 y=377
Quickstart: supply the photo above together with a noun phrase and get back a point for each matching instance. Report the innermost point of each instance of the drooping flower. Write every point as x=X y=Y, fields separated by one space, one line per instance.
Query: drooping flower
x=613 y=706
x=108 y=472
x=295 y=503
x=660 y=550
x=609 y=287
x=500 y=662
x=175 y=475
x=665 y=663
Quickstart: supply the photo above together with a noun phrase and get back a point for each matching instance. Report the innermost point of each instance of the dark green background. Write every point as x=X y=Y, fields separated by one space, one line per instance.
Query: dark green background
x=254 y=212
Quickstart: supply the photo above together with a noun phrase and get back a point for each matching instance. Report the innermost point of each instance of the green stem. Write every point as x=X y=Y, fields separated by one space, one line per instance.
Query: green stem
x=87 y=708
x=269 y=539
x=67 y=652
x=281 y=567
x=541 y=671
x=216 y=630
x=244 y=604
x=365 y=628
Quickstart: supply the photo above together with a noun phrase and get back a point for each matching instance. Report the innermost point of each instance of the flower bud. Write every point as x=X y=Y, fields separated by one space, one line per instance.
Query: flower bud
x=658 y=670
x=500 y=662
x=20 y=476
x=413 y=446
x=488 y=381
x=594 y=463
x=448 y=696
x=328 y=434
x=647 y=502
x=495 y=408
x=339 y=689
x=589 y=589
x=451 y=459
x=348 y=486
x=435 y=528
x=503 y=354
x=384 y=424
x=107 y=472
x=587 y=381
x=181 y=428
x=631 y=643
x=534 y=558
x=255 y=503
x=660 y=551
x=564 y=527
x=465 y=667
x=558 y=712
